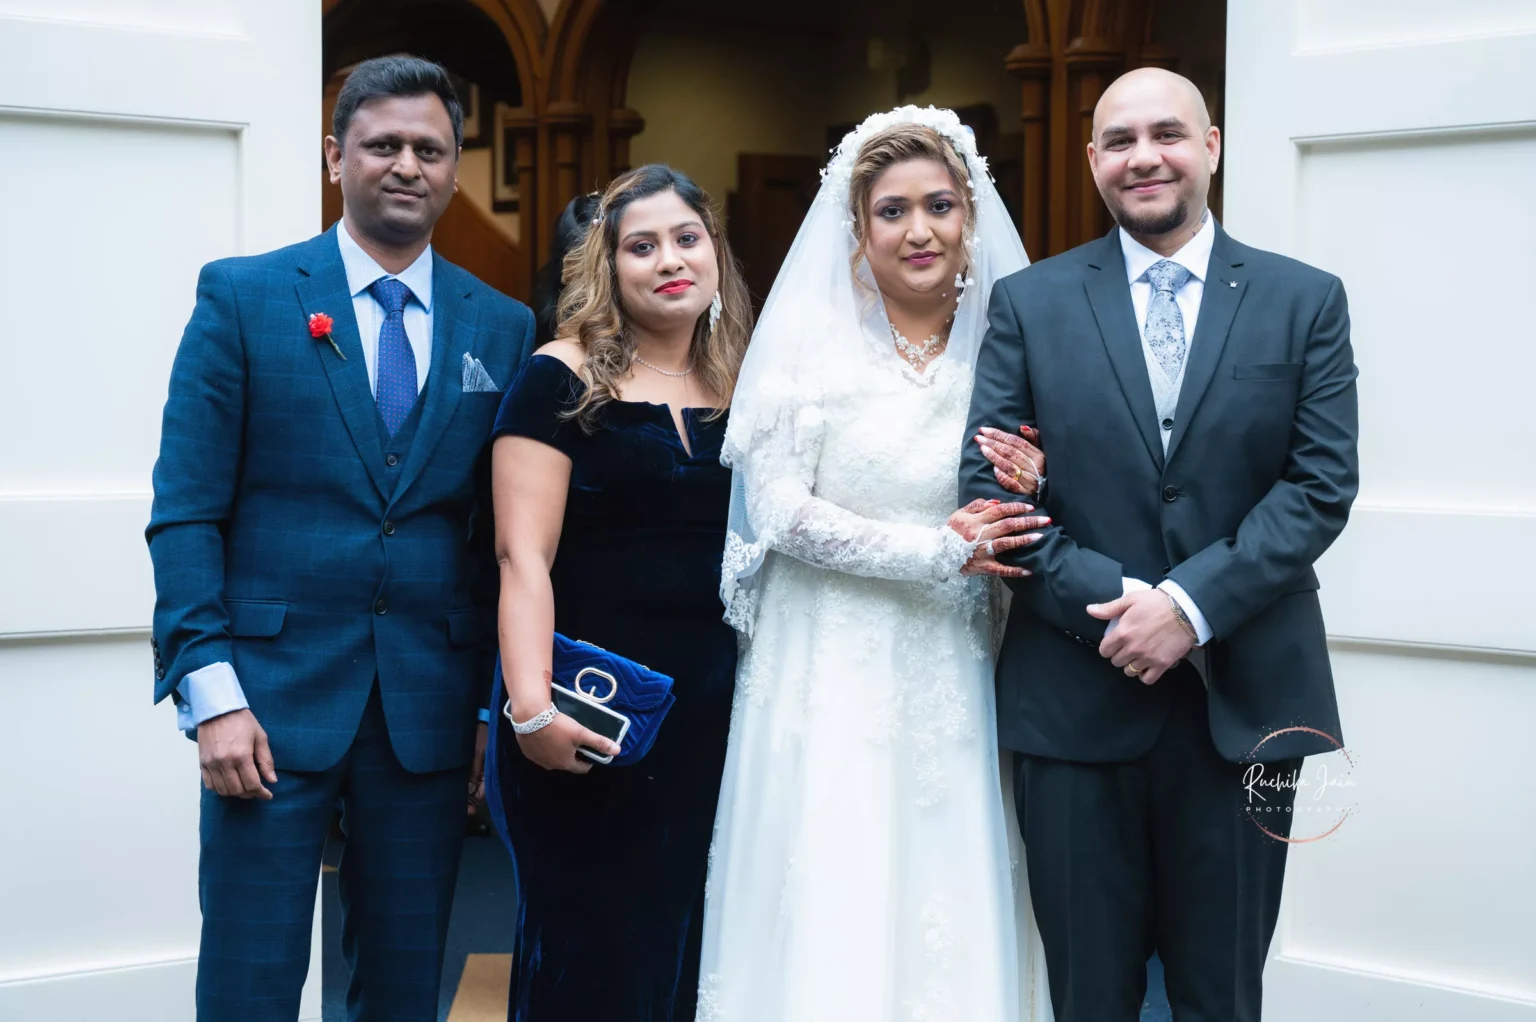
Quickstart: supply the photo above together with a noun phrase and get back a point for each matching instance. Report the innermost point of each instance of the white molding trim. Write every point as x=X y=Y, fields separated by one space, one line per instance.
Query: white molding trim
x=1445 y=651
x=118 y=992
x=1431 y=131
x=1334 y=990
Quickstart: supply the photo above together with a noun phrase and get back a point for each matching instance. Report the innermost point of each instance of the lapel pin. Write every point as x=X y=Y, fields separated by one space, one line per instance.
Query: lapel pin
x=1231 y=283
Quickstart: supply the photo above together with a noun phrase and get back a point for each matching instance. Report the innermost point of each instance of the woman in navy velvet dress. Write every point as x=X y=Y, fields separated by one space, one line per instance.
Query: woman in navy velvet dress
x=611 y=509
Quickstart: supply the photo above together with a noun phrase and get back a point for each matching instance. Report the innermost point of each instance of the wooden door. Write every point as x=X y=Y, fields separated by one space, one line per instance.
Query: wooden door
x=773 y=194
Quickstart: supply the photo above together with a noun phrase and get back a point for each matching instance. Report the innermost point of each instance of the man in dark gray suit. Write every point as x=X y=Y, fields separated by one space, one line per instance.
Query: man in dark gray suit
x=1196 y=398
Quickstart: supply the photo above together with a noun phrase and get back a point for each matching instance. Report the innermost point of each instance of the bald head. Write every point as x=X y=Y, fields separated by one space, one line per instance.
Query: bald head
x=1151 y=87
x=1153 y=153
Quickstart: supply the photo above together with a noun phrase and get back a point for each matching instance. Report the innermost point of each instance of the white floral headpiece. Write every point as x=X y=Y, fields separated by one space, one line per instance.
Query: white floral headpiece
x=838 y=174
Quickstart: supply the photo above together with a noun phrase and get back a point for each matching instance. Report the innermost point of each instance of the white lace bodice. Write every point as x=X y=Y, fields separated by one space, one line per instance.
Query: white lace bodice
x=860 y=477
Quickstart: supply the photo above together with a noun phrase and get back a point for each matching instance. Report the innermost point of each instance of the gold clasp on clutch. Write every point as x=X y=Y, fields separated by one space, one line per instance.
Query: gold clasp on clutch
x=613 y=684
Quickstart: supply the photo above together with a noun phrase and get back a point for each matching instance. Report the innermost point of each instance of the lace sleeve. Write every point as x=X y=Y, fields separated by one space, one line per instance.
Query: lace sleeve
x=788 y=517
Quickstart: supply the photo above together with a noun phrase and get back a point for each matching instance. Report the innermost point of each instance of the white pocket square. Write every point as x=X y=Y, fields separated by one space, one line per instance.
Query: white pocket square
x=476 y=379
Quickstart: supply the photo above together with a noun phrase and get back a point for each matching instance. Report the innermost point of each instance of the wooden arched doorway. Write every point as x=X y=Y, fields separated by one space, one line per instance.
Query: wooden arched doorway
x=564 y=126
x=1074 y=49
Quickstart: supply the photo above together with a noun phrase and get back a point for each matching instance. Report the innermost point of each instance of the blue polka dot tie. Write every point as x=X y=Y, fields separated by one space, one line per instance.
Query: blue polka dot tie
x=396 y=388
x=1165 y=323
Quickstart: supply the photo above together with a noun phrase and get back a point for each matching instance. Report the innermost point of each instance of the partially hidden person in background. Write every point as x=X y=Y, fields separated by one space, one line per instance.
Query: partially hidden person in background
x=611 y=507
x=570 y=227
x=324 y=570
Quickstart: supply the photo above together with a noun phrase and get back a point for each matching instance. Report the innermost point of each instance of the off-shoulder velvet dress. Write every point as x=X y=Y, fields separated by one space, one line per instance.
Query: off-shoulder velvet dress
x=611 y=865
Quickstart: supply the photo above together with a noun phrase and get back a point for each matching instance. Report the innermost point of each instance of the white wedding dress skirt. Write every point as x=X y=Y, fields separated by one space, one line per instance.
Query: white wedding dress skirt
x=864 y=867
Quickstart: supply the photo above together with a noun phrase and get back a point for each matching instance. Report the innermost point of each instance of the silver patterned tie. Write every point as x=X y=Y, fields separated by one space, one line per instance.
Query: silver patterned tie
x=1165 y=323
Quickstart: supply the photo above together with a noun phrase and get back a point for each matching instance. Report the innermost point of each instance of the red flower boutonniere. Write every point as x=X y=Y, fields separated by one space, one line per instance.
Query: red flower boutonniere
x=320 y=329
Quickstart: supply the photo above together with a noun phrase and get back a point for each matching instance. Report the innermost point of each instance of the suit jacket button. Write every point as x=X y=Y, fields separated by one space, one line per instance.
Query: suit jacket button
x=380 y=607
x=1170 y=494
x=391 y=460
x=389 y=528
x=159 y=673
x=1167 y=423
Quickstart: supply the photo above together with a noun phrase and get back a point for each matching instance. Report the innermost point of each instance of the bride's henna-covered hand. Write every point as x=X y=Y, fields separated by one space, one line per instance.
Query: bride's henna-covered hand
x=1017 y=464
x=996 y=527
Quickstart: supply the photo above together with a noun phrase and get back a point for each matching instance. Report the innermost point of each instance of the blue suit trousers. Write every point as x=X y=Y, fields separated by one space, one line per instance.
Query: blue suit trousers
x=261 y=860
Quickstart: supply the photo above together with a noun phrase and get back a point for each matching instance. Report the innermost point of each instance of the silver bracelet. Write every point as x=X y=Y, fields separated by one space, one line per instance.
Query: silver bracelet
x=537 y=722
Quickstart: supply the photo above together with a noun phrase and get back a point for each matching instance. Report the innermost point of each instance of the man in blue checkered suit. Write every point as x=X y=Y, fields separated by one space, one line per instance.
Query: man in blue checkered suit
x=325 y=581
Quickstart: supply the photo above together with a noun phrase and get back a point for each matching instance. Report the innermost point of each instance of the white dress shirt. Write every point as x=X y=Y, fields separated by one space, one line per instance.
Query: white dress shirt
x=1195 y=257
x=362 y=271
x=214 y=690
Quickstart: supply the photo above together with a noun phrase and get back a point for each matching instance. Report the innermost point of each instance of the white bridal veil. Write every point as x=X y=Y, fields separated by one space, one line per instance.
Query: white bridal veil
x=820 y=312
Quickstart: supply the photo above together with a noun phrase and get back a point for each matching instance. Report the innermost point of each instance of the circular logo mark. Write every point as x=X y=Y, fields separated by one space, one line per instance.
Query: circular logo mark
x=1298 y=806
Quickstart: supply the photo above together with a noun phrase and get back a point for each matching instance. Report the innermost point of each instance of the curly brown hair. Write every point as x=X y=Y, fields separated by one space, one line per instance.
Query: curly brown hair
x=895 y=145
x=591 y=312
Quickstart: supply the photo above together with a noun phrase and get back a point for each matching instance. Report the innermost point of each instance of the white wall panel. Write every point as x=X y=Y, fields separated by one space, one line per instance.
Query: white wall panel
x=90 y=550
x=1430 y=878
x=147 y=205
x=142 y=138
x=1393 y=142
x=177 y=16
x=1342 y=24
x=1434 y=322
x=111 y=804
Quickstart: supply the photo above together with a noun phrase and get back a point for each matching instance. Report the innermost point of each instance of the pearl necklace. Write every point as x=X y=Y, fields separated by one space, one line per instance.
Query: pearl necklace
x=664 y=372
x=915 y=355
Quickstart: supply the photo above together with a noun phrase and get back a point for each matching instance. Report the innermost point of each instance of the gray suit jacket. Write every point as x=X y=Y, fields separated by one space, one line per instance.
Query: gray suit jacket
x=1258 y=480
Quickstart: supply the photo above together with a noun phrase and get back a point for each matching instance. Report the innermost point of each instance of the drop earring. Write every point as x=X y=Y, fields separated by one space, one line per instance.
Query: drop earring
x=716 y=306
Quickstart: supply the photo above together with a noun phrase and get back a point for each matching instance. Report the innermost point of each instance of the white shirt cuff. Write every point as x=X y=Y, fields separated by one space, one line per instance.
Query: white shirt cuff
x=1202 y=626
x=1127 y=587
x=208 y=692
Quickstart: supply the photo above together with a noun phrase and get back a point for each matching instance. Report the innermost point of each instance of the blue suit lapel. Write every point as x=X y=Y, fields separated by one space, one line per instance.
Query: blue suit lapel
x=322 y=287
x=1218 y=305
x=1110 y=297
x=453 y=333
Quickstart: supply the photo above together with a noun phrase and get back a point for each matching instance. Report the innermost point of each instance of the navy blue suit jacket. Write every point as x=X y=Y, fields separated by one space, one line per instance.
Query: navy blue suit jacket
x=1261 y=470
x=282 y=541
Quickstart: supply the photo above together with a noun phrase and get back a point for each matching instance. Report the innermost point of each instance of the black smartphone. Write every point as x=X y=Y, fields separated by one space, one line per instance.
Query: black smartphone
x=593 y=716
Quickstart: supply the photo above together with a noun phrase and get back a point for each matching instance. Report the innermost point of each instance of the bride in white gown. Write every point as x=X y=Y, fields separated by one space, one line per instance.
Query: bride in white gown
x=861 y=868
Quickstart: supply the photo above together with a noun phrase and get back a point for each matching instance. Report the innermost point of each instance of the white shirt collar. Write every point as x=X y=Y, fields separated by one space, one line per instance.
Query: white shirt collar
x=362 y=271
x=1195 y=256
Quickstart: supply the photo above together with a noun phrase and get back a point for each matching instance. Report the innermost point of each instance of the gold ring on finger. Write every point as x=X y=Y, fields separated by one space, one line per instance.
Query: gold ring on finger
x=1018 y=474
x=1133 y=670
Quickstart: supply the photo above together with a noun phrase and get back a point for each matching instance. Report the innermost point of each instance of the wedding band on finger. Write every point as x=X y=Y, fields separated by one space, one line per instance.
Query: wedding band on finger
x=1133 y=670
x=991 y=551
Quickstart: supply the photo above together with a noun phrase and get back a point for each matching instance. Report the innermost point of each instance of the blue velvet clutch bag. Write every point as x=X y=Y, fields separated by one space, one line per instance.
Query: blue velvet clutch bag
x=616 y=682
x=636 y=691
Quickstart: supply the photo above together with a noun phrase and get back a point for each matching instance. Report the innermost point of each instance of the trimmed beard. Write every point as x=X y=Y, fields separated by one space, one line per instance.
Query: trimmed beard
x=1152 y=225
